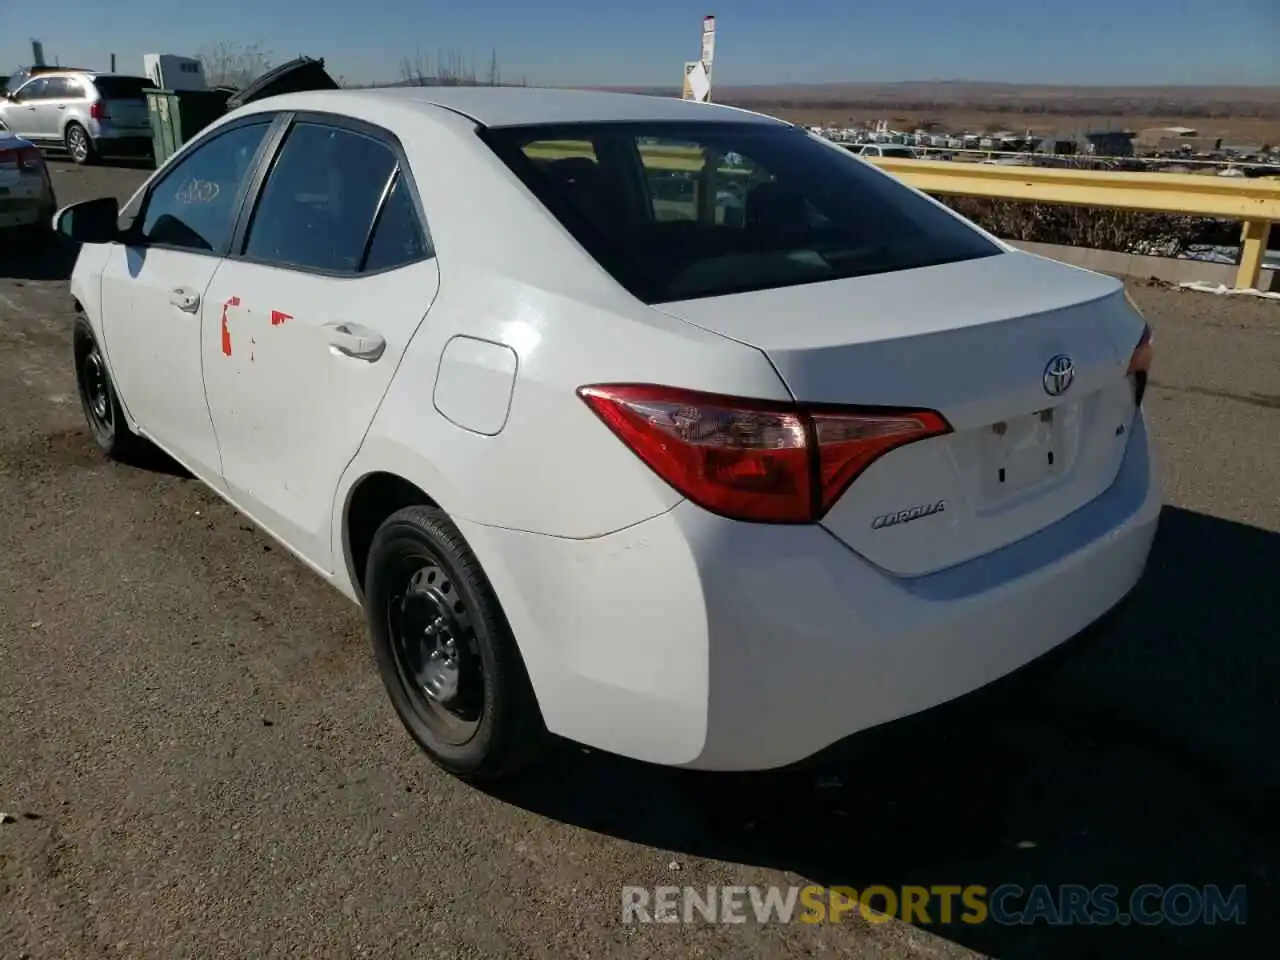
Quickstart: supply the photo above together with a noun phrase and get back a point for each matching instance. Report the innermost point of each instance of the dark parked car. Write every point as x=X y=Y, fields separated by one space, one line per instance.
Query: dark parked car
x=27 y=204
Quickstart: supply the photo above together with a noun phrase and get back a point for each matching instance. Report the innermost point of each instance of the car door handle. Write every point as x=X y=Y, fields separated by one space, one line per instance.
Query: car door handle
x=355 y=341
x=185 y=300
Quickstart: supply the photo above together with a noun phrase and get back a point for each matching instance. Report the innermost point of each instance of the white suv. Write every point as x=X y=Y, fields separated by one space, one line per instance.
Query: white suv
x=84 y=113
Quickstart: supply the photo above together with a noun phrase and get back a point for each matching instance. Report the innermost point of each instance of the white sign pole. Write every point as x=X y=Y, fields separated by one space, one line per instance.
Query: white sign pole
x=708 y=50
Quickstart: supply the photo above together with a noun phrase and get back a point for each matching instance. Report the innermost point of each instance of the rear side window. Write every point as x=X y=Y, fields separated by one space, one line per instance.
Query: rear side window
x=123 y=88
x=693 y=209
x=317 y=206
x=398 y=237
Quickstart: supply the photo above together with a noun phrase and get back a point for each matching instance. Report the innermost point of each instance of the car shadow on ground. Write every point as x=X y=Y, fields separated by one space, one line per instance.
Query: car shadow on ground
x=1142 y=755
x=41 y=257
x=75 y=448
x=125 y=163
x=155 y=460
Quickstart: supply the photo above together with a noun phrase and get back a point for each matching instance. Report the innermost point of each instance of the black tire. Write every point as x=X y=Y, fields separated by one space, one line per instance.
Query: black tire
x=79 y=144
x=431 y=610
x=98 y=400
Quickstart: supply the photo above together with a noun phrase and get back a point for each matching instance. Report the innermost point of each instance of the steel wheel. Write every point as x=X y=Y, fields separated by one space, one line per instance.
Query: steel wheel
x=98 y=400
x=435 y=650
x=97 y=390
x=444 y=648
x=78 y=144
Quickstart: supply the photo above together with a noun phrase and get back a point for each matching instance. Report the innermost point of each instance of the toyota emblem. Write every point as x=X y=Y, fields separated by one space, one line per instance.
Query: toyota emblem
x=1058 y=375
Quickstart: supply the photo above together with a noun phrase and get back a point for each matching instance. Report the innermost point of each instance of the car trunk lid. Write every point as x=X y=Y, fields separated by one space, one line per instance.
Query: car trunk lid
x=297 y=76
x=978 y=342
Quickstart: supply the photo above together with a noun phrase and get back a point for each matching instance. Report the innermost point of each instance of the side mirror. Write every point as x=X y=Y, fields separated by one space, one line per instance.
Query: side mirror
x=91 y=221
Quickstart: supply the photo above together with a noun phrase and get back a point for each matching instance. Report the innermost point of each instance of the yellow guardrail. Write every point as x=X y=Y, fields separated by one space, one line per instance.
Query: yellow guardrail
x=1256 y=202
x=968 y=154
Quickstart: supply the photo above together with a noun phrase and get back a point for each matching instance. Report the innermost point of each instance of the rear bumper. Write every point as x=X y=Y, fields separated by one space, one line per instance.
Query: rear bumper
x=33 y=210
x=697 y=641
x=111 y=139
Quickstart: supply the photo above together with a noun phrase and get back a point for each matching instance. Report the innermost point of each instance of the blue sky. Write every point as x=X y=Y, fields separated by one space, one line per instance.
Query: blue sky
x=758 y=41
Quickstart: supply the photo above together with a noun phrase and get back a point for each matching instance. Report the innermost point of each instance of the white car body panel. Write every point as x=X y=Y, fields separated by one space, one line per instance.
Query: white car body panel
x=288 y=408
x=649 y=626
x=156 y=357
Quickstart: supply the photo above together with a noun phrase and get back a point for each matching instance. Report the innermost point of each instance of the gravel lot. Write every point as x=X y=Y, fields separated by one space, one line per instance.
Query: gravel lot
x=199 y=760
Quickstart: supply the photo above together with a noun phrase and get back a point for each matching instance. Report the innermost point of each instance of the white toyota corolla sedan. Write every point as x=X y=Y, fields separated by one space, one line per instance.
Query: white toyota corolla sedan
x=665 y=427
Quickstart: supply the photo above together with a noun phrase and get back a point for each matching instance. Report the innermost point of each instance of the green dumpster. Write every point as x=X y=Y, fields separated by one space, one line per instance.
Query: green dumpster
x=178 y=115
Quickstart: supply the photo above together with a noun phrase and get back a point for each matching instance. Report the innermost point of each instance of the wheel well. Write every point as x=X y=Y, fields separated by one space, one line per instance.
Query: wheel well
x=374 y=499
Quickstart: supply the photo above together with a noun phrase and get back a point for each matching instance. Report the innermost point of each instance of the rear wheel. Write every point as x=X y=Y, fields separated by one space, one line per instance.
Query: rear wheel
x=98 y=398
x=79 y=145
x=444 y=649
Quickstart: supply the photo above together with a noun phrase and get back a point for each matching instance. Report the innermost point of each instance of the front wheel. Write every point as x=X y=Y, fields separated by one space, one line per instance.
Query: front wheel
x=446 y=654
x=79 y=146
x=98 y=400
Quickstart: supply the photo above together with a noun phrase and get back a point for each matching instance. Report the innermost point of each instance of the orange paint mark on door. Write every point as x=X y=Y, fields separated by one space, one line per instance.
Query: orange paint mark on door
x=226 y=331
x=278 y=318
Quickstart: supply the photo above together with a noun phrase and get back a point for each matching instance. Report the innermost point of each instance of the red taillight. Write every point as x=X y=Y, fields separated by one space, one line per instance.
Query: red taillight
x=1140 y=365
x=98 y=110
x=750 y=459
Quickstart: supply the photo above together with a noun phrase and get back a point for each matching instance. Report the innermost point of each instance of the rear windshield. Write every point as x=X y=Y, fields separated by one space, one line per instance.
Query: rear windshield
x=678 y=211
x=123 y=88
x=897 y=152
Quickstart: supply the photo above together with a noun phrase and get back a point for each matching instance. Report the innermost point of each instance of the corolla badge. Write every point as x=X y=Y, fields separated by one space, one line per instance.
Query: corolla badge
x=1058 y=374
x=909 y=514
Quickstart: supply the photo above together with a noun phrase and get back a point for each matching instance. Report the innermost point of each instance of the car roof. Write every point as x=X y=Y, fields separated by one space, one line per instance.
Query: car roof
x=89 y=74
x=524 y=106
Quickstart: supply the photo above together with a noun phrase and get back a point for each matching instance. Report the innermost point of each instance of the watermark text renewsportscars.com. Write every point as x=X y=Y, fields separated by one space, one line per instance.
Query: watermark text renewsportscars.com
x=1008 y=904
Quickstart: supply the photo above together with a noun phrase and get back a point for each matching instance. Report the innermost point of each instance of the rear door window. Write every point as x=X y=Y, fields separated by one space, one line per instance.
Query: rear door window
x=317 y=207
x=61 y=88
x=695 y=209
x=74 y=88
x=398 y=238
